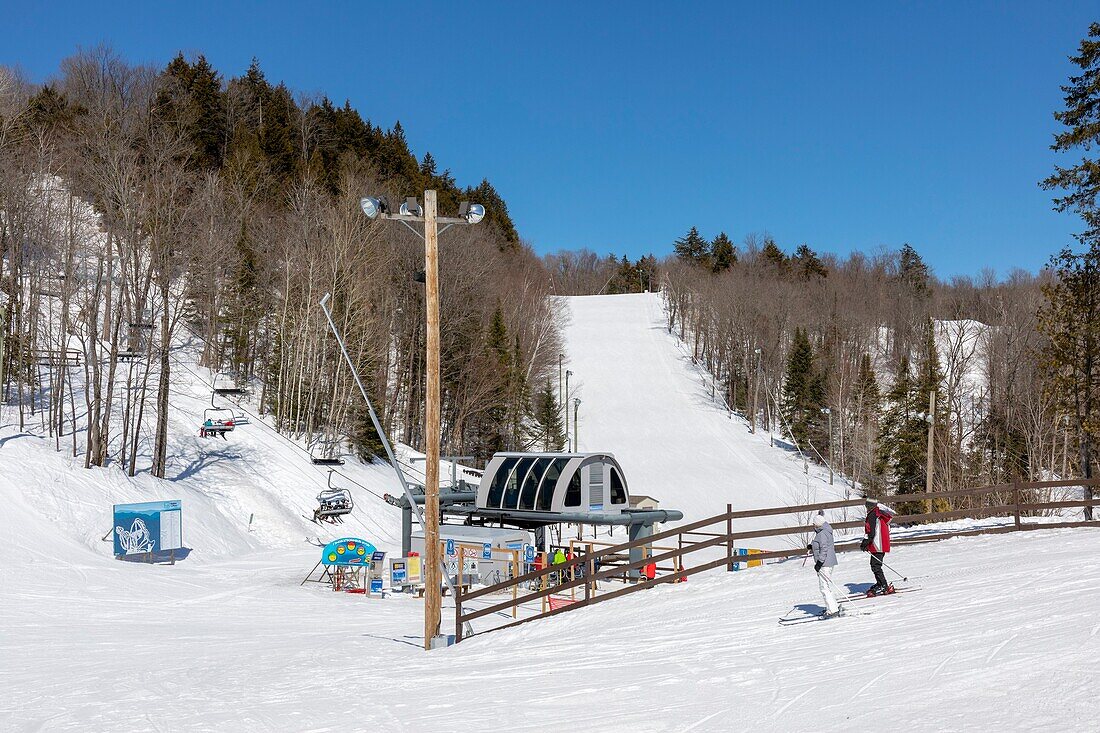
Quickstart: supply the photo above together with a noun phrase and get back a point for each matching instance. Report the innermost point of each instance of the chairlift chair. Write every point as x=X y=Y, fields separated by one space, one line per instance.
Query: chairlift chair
x=327 y=459
x=223 y=391
x=332 y=504
x=214 y=425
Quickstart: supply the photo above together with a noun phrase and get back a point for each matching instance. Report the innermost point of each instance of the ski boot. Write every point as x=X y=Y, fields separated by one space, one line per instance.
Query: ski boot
x=876 y=590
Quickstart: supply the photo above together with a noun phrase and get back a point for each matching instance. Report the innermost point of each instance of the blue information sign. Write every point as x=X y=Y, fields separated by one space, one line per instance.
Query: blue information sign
x=486 y=551
x=148 y=527
x=347 y=551
x=529 y=553
x=451 y=548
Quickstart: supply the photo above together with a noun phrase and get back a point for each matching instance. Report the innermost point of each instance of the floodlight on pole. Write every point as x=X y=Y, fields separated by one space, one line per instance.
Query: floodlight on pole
x=472 y=213
x=372 y=207
x=411 y=208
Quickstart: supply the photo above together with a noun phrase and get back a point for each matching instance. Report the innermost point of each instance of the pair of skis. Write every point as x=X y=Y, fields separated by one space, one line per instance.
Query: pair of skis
x=845 y=609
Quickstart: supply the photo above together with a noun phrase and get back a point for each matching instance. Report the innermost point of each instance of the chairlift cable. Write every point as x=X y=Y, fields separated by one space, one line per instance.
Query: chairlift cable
x=259 y=421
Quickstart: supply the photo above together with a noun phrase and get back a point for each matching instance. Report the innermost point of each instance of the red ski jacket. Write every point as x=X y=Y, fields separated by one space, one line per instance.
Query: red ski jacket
x=877 y=527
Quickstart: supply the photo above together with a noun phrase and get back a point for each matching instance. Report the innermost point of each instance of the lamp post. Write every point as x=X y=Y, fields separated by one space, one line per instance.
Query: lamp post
x=827 y=411
x=576 y=432
x=930 y=418
x=565 y=404
x=411 y=211
x=560 y=396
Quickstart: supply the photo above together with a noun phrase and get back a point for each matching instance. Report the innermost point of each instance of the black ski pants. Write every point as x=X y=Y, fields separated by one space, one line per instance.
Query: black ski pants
x=876 y=568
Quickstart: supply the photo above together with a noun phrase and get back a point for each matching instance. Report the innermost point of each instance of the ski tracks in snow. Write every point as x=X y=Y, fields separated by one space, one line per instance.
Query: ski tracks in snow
x=793 y=700
x=999 y=647
x=868 y=686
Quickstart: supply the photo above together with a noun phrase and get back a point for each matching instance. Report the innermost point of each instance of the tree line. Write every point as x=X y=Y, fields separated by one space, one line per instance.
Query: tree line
x=859 y=361
x=145 y=211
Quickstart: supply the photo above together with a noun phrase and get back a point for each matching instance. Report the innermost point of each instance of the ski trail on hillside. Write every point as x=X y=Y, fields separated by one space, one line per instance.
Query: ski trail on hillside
x=643 y=400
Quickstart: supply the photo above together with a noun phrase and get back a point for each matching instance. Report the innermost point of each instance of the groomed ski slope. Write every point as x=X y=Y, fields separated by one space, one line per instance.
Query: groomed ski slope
x=643 y=400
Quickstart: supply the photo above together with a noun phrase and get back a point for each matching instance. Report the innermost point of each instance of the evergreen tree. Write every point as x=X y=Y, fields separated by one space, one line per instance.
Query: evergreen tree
x=548 y=430
x=497 y=404
x=803 y=392
x=807 y=265
x=1070 y=319
x=48 y=111
x=496 y=213
x=868 y=407
x=723 y=253
x=912 y=271
x=903 y=439
x=427 y=167
x=1081 y=119
x=692 y=248
x=647 y=273
x=1071 y=315
x=190 y=96
x=775 y=257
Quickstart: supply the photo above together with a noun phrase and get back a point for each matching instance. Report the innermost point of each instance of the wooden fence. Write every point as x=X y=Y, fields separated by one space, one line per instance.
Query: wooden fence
x=581 y=574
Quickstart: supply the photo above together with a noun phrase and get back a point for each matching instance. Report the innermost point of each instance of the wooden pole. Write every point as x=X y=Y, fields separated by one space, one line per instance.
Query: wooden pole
x=433 y=601
x=931 y=434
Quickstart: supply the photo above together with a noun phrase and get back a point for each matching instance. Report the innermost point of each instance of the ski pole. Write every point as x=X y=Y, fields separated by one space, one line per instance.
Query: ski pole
x=895 y=572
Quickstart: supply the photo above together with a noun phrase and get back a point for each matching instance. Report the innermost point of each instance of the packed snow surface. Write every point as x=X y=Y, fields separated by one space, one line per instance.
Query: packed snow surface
x=643 y=400
x=1003 y=634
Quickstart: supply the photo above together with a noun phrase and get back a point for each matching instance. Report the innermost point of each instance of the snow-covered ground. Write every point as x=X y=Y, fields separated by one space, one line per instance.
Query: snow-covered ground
x=644 y=401
x=1003 y=634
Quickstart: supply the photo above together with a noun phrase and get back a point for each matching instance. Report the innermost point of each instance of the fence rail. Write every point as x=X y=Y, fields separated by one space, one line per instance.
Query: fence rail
x=587 y=564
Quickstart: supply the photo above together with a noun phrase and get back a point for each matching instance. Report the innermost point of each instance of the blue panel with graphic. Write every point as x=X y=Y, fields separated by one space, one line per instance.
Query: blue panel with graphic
x=347 y=551
x=148 y=527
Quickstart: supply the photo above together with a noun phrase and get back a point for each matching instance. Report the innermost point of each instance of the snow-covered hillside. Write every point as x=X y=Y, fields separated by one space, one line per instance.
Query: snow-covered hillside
x=1002 y=634
x=643 y=400
x=250 y=492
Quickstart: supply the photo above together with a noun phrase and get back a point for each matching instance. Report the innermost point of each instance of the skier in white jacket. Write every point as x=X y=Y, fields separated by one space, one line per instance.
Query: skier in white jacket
x=824 y=562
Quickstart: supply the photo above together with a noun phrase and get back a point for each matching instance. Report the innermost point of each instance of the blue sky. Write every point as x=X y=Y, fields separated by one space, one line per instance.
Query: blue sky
x=617 y=126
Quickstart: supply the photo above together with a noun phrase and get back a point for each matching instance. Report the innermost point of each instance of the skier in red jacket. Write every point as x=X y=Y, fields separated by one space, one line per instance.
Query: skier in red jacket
x=877 y=542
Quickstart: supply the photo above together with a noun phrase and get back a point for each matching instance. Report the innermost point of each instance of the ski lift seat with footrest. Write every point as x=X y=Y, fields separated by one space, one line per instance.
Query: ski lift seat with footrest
x=213 y=425
x=332 y=504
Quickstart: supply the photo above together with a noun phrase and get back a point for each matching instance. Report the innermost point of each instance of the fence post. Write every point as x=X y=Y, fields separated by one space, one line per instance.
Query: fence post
x=1016 y=498
x=729 y=538
x=458 y=609
x=589 y=571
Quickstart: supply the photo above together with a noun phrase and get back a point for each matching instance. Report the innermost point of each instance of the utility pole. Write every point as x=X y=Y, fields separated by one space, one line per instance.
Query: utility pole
x=433 y=597
x=410 y=211
x=829 y=412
